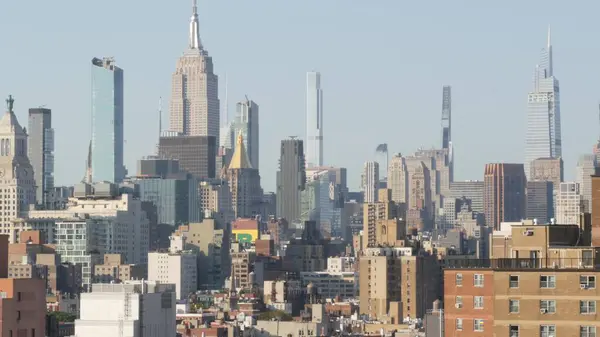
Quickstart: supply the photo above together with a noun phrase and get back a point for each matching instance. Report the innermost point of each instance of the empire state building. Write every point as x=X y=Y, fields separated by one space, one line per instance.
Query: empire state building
x=194 y=109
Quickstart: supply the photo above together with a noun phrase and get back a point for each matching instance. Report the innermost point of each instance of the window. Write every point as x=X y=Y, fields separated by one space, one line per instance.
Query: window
x=513 y=331
x=587 y=331
x=587 y=281
x=514 y=281
x=587 y=258
x=458 y=302
x=587 y=307
x=547 y=281
x=478 y=280
x=459 y=280
x=548 y=306
x=547 y=330
x=459 y=324
x=478 y=302
x=477 y=324
x=513 y=306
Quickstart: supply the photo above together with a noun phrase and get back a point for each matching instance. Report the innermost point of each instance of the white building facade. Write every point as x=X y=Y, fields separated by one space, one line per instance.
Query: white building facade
x=131 y=309
x=569 y=204
x=178 y=268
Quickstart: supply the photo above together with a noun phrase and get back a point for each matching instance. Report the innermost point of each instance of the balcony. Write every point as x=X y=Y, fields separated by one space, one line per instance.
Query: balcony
x=516 y=264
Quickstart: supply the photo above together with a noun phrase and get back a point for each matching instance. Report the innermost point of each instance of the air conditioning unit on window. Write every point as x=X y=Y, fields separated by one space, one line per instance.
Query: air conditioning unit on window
x=458 y=305
x=527 y=233
x=583 y=286
x=543 y=311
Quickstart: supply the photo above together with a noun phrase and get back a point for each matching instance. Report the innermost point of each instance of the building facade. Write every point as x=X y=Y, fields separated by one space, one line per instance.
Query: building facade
x=504 y=193
x=41 y=151
x=196 y=154
x=107 y=121
x=291 y=179
x=586 y=168
x=370 y=181
x=569 y=203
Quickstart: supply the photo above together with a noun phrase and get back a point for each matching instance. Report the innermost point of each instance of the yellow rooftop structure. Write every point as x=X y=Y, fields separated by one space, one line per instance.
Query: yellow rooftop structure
x=240 y=160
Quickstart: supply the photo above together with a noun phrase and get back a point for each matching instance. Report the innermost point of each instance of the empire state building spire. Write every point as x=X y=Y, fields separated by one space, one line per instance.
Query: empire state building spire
x=195 y=42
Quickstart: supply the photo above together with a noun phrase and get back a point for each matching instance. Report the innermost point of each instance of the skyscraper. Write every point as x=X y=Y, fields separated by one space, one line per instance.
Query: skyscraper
x=16 y=173
x=504 y=193
x=107 y=121
x=291 y=179
x=41 y=151
x=568 y=204
x=370 y=181
x=246 y=122
x=244 y=181
x=447 y=129
x=586 y=168
x=314 y=120
x=543 y=136
x=194 y=109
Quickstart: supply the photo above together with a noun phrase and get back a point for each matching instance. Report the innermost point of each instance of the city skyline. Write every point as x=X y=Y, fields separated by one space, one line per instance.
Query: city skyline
x=422 y=107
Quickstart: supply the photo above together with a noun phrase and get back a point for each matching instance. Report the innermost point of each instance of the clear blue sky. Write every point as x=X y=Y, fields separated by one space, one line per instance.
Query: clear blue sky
x=383 y=65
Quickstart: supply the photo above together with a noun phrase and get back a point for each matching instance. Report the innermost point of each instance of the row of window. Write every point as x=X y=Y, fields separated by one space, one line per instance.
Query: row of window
x=546 y=306
x=546 y=281
x=546 y=330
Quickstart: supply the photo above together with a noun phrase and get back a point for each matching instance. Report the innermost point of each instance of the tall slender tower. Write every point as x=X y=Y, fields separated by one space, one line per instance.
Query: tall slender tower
x=107 y=121
x=314 y=120
x=41 y=151
x=246 y=123
x=543 y=136
x=291 y=179
x=447 y=130
x=194 y=109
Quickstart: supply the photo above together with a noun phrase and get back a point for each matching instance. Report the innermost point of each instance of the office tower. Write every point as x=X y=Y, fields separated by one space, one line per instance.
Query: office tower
x=244 y=183
x=438 y=164
x=194 y=109
x=195 y=153
x=158 y=167
x=314 y=120
x=469 y=189
x=16 y=172
x=398 y=179
x=370 y=181
x=568 y=204
x=547 y=169
x=543 y=137
x=133 y=308
x=41 y=151
x=215 y=197
x=540 y=201
x=447 y=129
x=107 y=121
x=291 y=179
x=379 y=219
x=323 y=199
x=246 y=123
x=586 y=168
x=504 y=193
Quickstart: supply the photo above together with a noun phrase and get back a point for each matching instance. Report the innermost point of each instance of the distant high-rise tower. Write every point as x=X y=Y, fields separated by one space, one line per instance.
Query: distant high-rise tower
x=291 y=179
x=41 y=151
x=543 y=137
x=586 y=168
x=397 y=179
x=244 y=181
x=447 y=130
x=246 y=122
x=107 y=121
x=16 y=174
x=504 y=193
x=370 y=181
x=314 y=120
x=194 y=109
x=568 y=204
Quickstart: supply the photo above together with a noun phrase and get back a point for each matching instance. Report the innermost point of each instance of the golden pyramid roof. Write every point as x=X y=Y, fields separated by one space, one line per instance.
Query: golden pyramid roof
x=240 y=160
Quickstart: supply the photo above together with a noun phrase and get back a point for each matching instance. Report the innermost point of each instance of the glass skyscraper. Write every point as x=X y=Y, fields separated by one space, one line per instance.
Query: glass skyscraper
x=543 y=137
x=107 y=121
x=246 y=122
x=314 y=120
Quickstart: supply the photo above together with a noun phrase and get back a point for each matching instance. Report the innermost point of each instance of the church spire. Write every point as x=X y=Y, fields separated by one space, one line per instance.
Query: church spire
x=195 y=42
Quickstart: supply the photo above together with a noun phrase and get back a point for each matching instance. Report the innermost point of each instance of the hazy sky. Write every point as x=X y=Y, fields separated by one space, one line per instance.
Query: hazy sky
x=383 y=65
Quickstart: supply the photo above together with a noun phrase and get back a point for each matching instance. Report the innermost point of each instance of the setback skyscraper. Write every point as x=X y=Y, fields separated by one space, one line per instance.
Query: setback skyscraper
x=543 y=136
x=41 y=151
x=314 y=120
x=504 y=193
x=194 y=94
x=291 y=179
x=107 y=121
